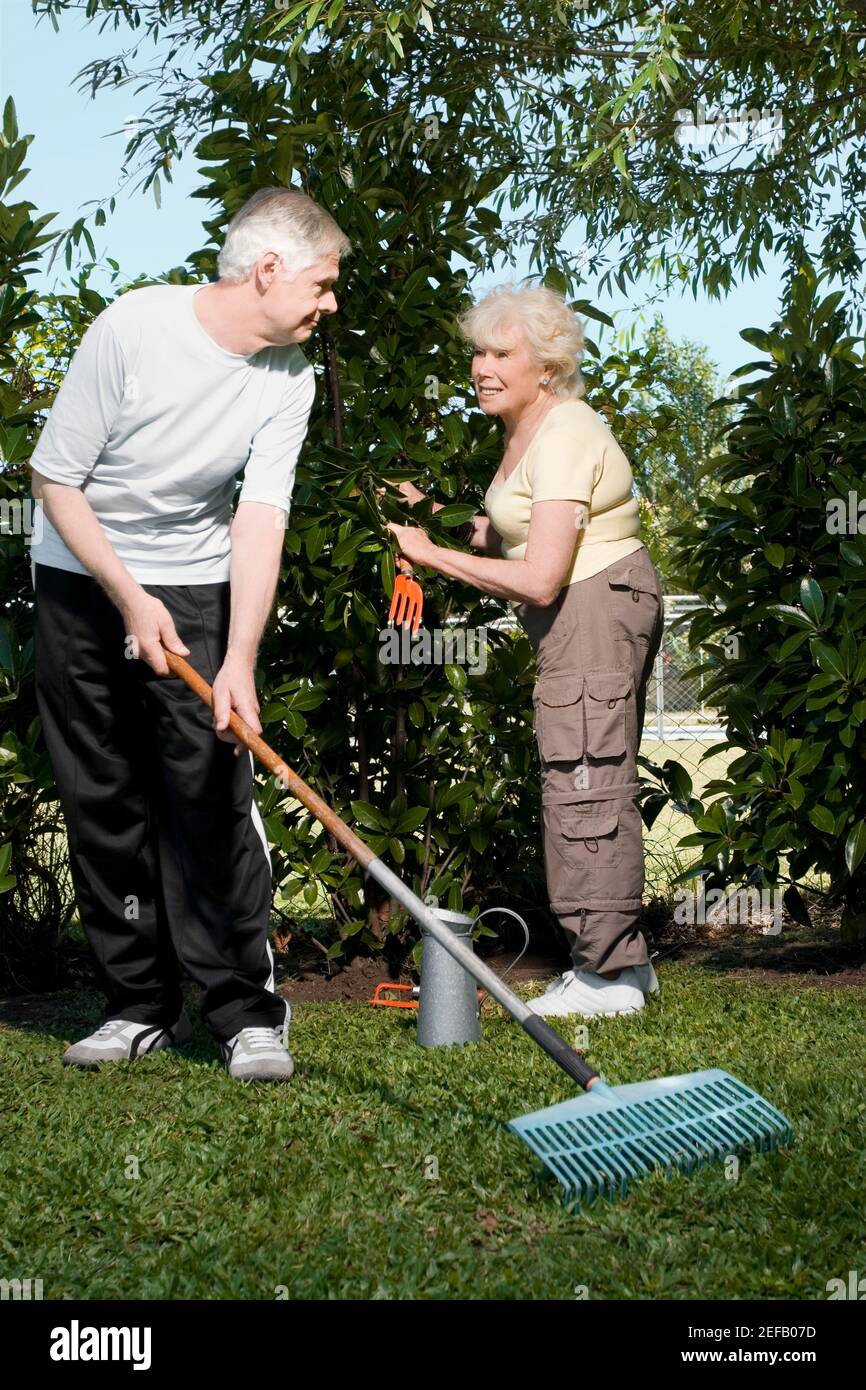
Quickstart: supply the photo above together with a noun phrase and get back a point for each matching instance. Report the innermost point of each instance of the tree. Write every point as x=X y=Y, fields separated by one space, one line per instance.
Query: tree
x=679 y=424
x=691 y=139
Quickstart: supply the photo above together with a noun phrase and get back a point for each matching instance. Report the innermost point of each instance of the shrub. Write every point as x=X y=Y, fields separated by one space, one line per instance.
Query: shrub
x=780 y=559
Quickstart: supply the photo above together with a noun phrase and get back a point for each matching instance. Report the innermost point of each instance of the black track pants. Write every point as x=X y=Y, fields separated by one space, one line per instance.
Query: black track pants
x=167 y=850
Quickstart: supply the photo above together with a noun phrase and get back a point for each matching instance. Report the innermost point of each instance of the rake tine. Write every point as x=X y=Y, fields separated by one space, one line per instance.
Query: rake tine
x=604 y=1140
x=577 y=1175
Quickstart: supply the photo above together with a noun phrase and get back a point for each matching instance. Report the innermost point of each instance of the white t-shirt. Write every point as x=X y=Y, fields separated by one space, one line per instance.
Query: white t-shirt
x=154 y=420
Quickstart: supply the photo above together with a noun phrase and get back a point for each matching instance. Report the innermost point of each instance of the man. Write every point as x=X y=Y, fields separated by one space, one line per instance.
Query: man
x=173 y=391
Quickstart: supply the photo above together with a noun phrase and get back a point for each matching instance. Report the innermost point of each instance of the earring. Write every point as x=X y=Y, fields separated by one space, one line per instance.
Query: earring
x=545 y=381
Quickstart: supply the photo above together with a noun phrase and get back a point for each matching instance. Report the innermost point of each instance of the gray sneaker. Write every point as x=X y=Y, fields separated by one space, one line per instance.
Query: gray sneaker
x=260 y=1054
x=120 y=1039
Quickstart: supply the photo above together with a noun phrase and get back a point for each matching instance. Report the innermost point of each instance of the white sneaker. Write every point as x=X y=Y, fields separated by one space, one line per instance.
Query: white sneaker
x=589 y=995
x=260 y=1054
x=122 y=1040
x=646 y=978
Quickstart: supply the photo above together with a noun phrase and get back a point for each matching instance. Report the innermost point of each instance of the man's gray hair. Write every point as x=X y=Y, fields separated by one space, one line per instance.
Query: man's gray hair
x=284 y=220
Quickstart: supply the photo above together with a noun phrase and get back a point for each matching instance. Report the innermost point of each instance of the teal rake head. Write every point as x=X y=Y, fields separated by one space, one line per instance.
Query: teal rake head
x=596 y=1144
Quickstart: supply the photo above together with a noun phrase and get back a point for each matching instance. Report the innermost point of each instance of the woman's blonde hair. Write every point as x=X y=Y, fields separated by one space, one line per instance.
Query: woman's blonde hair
x=553 y=332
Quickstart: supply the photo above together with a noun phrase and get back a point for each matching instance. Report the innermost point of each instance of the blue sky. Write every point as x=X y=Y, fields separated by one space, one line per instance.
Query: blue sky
x=75 y=161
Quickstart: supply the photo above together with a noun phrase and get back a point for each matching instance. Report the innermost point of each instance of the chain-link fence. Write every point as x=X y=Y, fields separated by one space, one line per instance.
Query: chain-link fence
x=676 y=711
x=682 y=726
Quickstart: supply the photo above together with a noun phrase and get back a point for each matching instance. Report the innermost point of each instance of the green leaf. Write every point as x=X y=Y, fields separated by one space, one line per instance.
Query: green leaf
x=775 y=554
x=591 y=158
x=829 y=659
x=290 y=15
x=812 y=600
x=789 y=614
x=455 y=514
x=851 y=553
x=295 y=723
x=365 y=610
x=791 y=644
x=678 y=780
x=822 y=818
x=10 y=124
x=855 y=846
x=369 y=816
x=388 y=572
x=456 y=677
x=555 y=280
x=458 y=792
x=796 y=792
x=757 y=337
x=344 y=552
x=411 y=820
x=619 y=160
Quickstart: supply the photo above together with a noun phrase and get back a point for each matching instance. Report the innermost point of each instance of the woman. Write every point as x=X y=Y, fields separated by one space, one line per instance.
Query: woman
x=561 y=517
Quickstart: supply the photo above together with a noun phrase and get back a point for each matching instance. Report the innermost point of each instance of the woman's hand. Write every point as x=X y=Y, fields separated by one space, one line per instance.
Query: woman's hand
x=409 y=491
x=413 y=543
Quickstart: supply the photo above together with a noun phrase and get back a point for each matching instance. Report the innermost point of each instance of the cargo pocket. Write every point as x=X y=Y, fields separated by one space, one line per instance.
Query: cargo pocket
x=582 y=854
x=634 y=602
x=594 y=825
x=558 y=702
x=606 y=702
x=634 y=578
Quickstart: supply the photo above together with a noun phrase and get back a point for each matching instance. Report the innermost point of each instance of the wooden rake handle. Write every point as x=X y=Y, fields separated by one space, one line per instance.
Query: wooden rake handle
x=275 y=764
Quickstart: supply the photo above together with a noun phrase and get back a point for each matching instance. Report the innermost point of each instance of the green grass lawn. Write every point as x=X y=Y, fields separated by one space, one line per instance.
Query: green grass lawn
x=384 y=1170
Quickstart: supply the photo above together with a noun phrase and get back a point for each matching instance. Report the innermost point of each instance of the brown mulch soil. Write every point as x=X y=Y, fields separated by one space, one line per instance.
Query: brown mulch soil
x=308 y=983
x=799 y=956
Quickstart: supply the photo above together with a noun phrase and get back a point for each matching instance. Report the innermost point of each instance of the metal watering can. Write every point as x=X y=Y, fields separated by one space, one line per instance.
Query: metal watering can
x=448 y=1005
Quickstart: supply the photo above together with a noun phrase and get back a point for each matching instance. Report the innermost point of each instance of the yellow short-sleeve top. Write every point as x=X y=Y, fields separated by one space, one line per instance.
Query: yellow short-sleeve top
x=571 y=456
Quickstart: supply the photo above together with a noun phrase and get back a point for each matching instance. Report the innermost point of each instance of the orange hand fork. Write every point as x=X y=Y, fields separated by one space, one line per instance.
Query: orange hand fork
x=380 y=992
x=407 y=601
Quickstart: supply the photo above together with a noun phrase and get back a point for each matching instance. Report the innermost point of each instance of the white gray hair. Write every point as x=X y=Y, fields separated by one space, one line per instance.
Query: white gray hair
x=284 y=220
x=552 y=330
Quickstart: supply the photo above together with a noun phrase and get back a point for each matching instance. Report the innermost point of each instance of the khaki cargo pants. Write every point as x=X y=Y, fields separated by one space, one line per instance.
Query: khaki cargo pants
x=595 y=648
